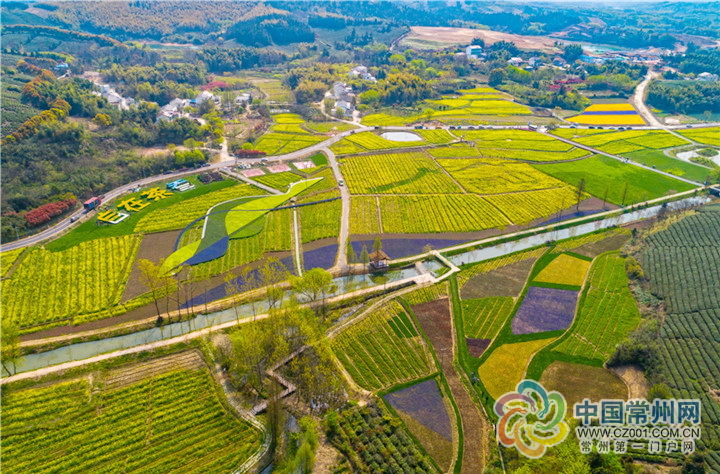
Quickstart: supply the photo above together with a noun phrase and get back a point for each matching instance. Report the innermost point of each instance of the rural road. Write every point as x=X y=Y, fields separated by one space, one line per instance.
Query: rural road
x=638 y=100
x=341 y=260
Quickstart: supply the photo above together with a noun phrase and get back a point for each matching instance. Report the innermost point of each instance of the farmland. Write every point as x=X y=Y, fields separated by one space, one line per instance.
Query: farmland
x=320 y=220
x=368 y=141
x=272 y=89
x=606 y=315
x=50 y=288
x=564 y=270
x=279 y=143
x=380 y=174
x=494 y=176
x=614 y=181
x=658 y=159
x=364 y=215
x=708 y=136
x=608 y=114
x=438 y=213
x=483 y=317
x=524 y=207
x=7 y=259
x=172 y=422
x=280 y=181
x=181 y=214
x=681 y=264
x=545 y=309
x=376 y=356
x=366 y=435
x=506 y=365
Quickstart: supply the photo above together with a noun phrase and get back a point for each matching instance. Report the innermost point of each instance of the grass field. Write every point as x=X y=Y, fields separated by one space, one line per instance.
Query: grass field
x=614 y=181
x=173 y=422
x=505 y=367
x=396 y=173
x=658 y=159
x=272 y=88
x=483 y=317
x=181 y=214
x=52 y=287
x=383 y=349
x=564 y=270
x=607 y=312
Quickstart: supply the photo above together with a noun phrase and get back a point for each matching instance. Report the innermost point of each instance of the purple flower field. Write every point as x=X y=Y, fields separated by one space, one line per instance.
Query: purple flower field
x=424 y=403
x=545 y=309
x=401 y=248
x=323 y=257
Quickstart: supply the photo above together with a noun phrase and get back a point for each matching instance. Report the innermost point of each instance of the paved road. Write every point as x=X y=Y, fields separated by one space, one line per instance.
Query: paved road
x=341 y=259
x=638 y=100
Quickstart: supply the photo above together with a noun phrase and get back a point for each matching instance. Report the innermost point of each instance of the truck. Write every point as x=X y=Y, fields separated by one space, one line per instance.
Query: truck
x=92 y=203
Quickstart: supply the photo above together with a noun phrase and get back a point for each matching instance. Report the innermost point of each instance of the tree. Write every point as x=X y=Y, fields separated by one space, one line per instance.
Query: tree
x=11 y=351
x=497 y=77
x=154 y=280
x=580 y=193
x=315 y=284
x=659 y=390
x=102 y=120
x=271 y=274
x=572 y=52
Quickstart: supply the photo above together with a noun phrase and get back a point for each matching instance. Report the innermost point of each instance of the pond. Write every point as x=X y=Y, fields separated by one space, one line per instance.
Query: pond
x=401 y=137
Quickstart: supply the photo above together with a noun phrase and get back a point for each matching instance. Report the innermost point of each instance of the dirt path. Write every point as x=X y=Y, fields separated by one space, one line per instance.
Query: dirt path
x=436 y=320
x=638 y=101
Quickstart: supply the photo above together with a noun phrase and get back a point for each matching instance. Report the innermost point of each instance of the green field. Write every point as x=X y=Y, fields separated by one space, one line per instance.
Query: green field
x=322 y=220
x=50 y=288
x=383 y=349
x=658 y=159
x=614 y=181
x=483 y=317
x=607 y=312
x=173 y=422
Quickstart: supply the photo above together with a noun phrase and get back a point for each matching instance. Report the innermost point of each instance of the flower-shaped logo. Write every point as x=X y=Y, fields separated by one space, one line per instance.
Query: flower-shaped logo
x=531 y=419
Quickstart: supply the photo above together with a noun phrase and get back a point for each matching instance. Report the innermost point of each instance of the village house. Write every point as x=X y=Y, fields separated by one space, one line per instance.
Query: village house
x=362 y=73
x=344 y=98
x=474 y=51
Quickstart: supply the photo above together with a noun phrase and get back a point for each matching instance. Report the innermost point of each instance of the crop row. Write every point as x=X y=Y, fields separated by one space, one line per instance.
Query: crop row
x=7 y=259
x=280 y=181
x=425 y=294
x=320 y=220
x=281 y=143
x=438 y=213
x=52 y=286
x=609 y=119
x=505 y=367
x=525 y=207
x=181 y=214
x=607 y=312
x=483 y=317
x=564 y=270
x=397 y=173
x=533 y=155
x=364 y=215
x=375 y=356
x=494 y=176
x=709 y=136
x=170 y=422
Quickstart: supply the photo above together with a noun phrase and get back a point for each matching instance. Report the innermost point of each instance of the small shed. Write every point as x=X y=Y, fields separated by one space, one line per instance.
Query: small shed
x=379 y=260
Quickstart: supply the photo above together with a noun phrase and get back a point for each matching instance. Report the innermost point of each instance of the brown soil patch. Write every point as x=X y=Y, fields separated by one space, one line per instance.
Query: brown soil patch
x=578 y=381
x=446 y=36
x=592 y=250
x=153 y=247
x=504 y=281
x=435 y=319
x=635 y=380
x=326 y=457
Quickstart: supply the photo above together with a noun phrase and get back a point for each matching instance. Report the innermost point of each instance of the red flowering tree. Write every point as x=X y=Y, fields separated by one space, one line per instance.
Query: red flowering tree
x=46 y=212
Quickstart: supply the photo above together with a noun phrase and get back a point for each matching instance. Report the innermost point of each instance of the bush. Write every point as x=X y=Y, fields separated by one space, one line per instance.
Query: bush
x=46 y=212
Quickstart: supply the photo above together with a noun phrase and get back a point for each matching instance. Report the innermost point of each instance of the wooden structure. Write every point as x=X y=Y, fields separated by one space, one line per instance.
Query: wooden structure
x=379 y=260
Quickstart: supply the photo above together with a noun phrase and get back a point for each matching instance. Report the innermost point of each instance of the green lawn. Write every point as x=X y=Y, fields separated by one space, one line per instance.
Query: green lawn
x=610 y=179
x=661 y=161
